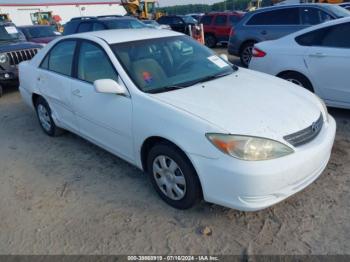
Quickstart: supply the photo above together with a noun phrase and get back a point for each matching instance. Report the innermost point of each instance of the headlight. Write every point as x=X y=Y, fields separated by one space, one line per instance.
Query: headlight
x=3 y=58
x=325 y=110
x=249 y=148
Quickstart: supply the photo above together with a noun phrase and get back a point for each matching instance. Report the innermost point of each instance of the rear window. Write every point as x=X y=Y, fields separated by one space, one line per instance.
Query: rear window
x=125 y=24
x=207 y=19
x=287 y=16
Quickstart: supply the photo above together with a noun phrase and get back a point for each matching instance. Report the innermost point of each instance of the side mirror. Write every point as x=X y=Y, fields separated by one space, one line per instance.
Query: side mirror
x=224 y=56
x=109 y=86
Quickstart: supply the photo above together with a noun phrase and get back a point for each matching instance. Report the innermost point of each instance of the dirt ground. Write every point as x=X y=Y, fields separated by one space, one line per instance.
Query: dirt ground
x=66 y=196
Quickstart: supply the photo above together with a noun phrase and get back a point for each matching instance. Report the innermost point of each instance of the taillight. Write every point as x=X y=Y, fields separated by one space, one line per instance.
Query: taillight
x=258 y=53
x=232 y=32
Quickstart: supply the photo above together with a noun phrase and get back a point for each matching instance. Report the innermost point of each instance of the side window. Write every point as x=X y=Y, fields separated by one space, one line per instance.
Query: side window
x=285 y=16
x=234 y=19
x=60 y=58
x=207 y=19
x=313 y=16
x=312 y=38
x=332 y=36
x=337 y=36
x=84 y=27
x=93 y=64
x=98 y=27
x=220 y=20
x=177 y=21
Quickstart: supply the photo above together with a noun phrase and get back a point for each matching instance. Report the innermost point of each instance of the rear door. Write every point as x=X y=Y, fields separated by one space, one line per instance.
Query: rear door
x=55 y=79
x=221 y=28
x=328 y=60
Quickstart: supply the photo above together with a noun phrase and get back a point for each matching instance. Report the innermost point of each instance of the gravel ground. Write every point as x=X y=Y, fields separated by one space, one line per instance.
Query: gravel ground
x=66 y=196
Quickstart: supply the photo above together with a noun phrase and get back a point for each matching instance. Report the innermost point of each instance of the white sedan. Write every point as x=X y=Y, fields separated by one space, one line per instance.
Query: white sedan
x=317 y=58
x=199 y=126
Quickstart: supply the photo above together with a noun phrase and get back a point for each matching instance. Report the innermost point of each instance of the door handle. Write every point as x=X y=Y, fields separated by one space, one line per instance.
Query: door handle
x=76 y=92
x=317 y=55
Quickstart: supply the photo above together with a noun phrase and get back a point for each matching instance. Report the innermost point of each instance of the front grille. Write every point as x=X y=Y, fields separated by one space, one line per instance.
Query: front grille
x=16 y=57
x=306 y=135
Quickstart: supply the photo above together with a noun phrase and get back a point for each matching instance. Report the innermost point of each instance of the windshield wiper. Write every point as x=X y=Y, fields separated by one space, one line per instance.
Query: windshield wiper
x=165 y=89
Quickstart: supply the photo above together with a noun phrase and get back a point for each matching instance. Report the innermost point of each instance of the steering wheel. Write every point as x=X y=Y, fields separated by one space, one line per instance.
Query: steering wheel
x=183 y=65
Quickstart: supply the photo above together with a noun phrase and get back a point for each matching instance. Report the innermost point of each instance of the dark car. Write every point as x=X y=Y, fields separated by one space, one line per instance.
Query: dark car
x=13 y=50
x=41 y=34
x=179 y=23
x=88 y=24
x=218 y=25
x=274 y=22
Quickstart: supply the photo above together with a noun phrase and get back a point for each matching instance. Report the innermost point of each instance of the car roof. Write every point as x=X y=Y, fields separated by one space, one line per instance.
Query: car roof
x=116 y=36
x=32 y=26
x=276 y=7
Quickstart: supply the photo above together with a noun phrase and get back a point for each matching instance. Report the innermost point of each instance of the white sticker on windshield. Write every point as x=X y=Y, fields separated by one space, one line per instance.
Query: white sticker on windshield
x=11 y=29
x=218 y=61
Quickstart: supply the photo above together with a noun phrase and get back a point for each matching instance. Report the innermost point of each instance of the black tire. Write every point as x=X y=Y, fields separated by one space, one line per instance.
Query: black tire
x=297 y=79
x=210 y=41
x=192 y=192
x=1 y=90
x=245 y=53
x=52 y=129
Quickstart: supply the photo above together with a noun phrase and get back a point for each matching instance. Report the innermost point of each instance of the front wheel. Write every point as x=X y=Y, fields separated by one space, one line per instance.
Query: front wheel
x=46 y=122
x=210 y=41
x=173 y=176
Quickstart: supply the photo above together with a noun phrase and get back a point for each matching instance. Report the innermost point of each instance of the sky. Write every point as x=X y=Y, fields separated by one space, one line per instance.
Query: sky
x=161 y=2
x=184 y=2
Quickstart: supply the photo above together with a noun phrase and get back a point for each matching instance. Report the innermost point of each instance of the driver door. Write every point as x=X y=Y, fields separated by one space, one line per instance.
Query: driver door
x=104 y=119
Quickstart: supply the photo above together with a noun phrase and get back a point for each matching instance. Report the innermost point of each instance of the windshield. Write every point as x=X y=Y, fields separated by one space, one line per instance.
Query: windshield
x=339 y=11
x=8 y=33
x=189 y=19
x=125 y=24
x=157 y=65
x=39 y=32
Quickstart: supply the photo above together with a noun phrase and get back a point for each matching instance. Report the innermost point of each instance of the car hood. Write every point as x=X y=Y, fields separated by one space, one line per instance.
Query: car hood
x=14 y=46
x=248 y=103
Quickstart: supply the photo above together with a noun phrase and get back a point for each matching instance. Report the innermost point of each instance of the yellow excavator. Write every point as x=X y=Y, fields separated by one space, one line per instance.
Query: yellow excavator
x=142 y=9
x=5 y=18
x=47 y=18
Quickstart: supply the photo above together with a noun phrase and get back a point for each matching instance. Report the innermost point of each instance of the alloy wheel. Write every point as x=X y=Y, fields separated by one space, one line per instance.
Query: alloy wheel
x=44 y=117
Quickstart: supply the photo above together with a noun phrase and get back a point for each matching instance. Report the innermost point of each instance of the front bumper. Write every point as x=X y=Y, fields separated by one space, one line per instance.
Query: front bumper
x=255 y=185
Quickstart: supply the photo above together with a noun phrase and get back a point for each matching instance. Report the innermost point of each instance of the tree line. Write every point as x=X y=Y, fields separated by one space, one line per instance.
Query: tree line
x=203 y=8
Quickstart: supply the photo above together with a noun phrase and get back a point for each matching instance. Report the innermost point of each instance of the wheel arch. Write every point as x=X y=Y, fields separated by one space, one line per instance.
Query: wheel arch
x=154 y=140
x=246 y=42
x=299 y=73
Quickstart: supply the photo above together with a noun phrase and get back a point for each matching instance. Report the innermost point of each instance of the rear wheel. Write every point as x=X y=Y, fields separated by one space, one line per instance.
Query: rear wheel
x=46 y=122
x=210 y=41
x=298 y=79
x=173 y=176
x=246 y=53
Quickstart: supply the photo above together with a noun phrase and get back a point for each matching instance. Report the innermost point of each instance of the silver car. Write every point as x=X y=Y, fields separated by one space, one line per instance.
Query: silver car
x=274 y=22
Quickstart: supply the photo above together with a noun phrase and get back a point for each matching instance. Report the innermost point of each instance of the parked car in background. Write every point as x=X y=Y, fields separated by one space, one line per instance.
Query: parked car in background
x=41 y=34
x=88 y=24
x=179 y=23
x=198 y=125
x=13 y=50
x=317 y=58
x=274 y=22
x=345 y=5
x=218 y=25
x=155 y=24
x=196 y=16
